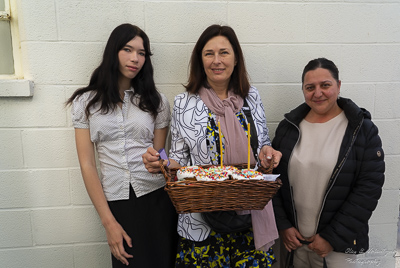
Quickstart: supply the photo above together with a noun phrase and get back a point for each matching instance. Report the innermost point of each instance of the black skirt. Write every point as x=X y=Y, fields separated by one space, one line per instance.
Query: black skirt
x=151 y=222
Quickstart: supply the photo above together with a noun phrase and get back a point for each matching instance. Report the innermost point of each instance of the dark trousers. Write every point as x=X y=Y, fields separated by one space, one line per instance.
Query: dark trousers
x=150 y=221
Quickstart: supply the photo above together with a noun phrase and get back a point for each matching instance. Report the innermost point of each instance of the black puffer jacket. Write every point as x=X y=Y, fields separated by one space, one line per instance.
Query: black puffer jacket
x=355 y=184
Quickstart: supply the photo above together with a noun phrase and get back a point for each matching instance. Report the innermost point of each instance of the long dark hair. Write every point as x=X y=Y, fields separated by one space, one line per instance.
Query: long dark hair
x=104 y=80
x=239 y=81
x=321 y=63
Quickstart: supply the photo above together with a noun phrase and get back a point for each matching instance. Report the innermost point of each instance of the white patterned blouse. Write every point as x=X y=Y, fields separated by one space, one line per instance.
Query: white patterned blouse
x=190 y=117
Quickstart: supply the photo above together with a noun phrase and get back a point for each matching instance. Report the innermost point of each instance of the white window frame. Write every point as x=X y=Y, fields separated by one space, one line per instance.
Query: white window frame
x=14 y=85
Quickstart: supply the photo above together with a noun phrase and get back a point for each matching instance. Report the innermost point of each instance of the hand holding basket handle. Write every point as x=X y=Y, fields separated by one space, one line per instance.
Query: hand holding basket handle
x=269 y=156
x=151 y=159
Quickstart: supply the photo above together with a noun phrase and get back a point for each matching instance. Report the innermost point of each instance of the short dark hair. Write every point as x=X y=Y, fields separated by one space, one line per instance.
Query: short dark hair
x=104 y=79
x=321 y=63
x=239 y=81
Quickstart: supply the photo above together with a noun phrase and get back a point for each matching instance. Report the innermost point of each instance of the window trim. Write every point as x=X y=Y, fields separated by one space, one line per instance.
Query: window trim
x=14 y=85
x=4 y=15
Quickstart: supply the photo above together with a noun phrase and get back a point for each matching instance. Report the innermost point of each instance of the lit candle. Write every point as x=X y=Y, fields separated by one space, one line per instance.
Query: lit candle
x=248 y=145
x=220 y=144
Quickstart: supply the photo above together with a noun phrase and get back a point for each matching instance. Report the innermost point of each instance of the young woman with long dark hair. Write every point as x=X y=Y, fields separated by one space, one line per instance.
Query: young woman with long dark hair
x=119 y=115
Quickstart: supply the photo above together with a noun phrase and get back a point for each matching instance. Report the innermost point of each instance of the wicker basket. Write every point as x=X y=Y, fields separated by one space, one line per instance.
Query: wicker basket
x=205 y=196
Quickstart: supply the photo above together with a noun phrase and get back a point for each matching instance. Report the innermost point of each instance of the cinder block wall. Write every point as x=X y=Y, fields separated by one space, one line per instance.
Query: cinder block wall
x=46 y=218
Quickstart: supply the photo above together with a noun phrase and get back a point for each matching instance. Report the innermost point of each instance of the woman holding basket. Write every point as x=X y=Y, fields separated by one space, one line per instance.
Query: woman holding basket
x=218 y=90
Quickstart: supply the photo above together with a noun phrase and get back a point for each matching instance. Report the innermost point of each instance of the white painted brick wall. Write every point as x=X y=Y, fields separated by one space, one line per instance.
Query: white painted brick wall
x=44 y=109
x=34 y=188
x=92 y=255
x=39 y=257
x=93 y=20
x=44 y=16
x=46 y=216
x=172 y=67
x=268 y=22
x=11 y=148
x=392 y=174
x=390 y=134
x=182 y=21
x=15 y=230
x=49 y=148
x=62 y=63
x=66 y=225
x=79 y=195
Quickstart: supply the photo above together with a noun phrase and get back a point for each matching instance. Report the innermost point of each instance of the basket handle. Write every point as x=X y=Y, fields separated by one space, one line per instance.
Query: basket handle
x=165 y=171
x=269 y=169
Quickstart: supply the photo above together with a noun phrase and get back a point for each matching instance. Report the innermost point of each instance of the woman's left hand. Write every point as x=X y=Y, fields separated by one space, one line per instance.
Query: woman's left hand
x=267 y=153
x=320 y=245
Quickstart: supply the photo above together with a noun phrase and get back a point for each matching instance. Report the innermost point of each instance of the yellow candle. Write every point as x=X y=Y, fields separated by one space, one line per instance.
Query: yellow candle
x=248 y=145
x=220 y=144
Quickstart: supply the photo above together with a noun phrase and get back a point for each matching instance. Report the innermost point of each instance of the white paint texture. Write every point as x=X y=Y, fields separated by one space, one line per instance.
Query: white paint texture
x=46 y=217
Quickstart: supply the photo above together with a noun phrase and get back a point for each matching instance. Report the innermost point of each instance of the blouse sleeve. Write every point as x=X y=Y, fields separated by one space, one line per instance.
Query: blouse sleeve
x=164 y=114
x=79 y=119
x=179 y=149
x=258 y=113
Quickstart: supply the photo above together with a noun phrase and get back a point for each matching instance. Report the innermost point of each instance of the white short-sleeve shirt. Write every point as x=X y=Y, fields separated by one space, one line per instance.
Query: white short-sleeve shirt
x=121 y=137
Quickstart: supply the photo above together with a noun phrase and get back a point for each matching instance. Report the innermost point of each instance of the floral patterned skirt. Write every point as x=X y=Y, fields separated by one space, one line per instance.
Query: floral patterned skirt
x=223 y=250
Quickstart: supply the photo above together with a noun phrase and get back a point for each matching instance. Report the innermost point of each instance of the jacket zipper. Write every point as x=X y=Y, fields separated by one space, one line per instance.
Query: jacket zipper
x=294 y=208
x=291 y=187
x=336 y=173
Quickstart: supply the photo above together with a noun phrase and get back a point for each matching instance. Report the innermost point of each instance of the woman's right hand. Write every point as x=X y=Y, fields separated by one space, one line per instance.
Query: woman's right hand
x=151 y=160
x=290 y=238
x=115 y=237
x=267 y=153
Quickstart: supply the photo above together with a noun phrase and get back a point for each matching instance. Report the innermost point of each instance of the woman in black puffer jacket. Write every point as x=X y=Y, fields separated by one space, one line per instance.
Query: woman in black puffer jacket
x=332 y=171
